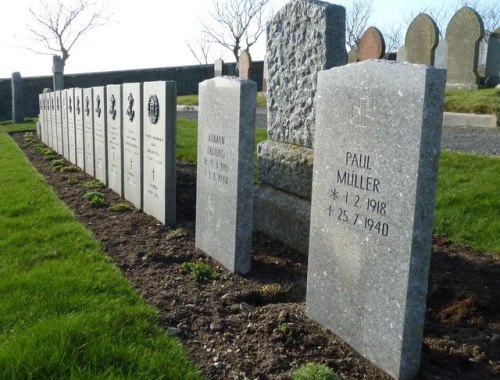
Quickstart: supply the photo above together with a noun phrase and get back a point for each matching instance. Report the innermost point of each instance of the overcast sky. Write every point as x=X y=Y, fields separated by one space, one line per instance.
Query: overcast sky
x=144 y=34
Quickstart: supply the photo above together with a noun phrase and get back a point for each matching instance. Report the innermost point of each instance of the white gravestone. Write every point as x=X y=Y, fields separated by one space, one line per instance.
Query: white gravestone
x=159 y=104
x=52 y=129
x=79 y=128
x=88 y=130
x=132 y=143
x=376 y=157
x=64 y=123
x=226 y=139
x=71 y=126
x=100 y=134
x=115 y=137
x=59 y=129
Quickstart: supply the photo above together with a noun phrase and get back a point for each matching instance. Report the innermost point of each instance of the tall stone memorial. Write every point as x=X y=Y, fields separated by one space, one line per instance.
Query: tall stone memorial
x=421 y=40
x=71 y=126
x=463 y=35
x=132 y=115
x=159 y=104
x=100 y=135
x=79 y=128
x=64 y=123
x=115 y=137
x=375 y=176
x=311 y=35
x=88 y=130
x=224 y=189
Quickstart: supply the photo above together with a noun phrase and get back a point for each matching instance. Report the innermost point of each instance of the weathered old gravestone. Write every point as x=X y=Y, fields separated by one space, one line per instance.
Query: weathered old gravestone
x=218 y=68
x=493 y=60
x=224 y=189
x=132 y=115
x=59 y=128
x=421 y=40
x=311 y=35
x=159 y=104
x=64 y=123
x=371 y=45
x=245 y=64
x=17 y=98
x=100 y=134
x=482 y=54
x=71 y=126
x=465 y=31
x=115 y=137
x=79 y=128
x=353 y=55
x=402 y=54
x=88 y=130
x=58 y=72
x=441 y=55
x=375 y=174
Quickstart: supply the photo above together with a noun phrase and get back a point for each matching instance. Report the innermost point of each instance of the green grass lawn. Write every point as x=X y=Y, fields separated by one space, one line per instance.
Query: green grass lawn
x=192 y=100
x=65 y=310
x=473 y=101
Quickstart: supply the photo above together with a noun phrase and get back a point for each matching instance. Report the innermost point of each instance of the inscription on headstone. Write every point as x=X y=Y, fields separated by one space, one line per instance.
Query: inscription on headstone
x=371 y=45
x=88 y=130
x=132 y=143
x=100 y=134
x=71 y=126
x=375 y=174
x=421 y=40
x=159 y=104
x=226 y=135
x=79 y=128
x=115 y=137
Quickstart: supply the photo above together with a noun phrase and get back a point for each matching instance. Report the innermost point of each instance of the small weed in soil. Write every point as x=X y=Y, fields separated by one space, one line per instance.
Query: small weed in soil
x=120 y=207
x=315 y=371
x=70 y=169
x=200 y=271
x=176 y=234
x=72 y=179
x=94 y=197
x=58 y=164
x=94 y=184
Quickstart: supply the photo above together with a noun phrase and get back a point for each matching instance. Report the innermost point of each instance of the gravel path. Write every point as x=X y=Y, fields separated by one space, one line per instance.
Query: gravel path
x=462 y=139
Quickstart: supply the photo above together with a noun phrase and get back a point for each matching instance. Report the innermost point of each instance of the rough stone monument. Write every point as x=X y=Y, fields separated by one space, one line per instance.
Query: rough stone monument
x=159 y=128
x=226 y=138
x=79 y=128
x=115 y=137
x=71 y=126
x=441 y=55
x=245 y=64
x=371 y=45
x=132 y=116
x=421 y=40
x=88 y=130
x=58 y=72
x=17 y=98
x=493 y=60
x=375 y=176
x=100 y=134
x=465 y=31
x=311 y=34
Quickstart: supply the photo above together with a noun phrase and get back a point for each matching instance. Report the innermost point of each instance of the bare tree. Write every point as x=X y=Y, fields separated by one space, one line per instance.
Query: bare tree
x=56 y=25
x=235 y=24
x=200 y=49
x=357 y=15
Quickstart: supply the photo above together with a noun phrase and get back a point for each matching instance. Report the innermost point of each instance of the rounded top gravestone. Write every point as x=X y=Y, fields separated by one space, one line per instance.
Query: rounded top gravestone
x=244 y=64
x=463 y=34
x=421 y=40
x=371 y=45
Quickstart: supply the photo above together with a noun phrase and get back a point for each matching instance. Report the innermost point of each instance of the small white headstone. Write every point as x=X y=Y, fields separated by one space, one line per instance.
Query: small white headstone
x=88 y=130
x=71 y=126
x=115 y=137
x=100 y=134
x=79 y=128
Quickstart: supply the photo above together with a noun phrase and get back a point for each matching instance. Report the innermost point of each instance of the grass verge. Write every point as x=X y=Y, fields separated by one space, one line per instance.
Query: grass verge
x=65 y=311
x=485 y=100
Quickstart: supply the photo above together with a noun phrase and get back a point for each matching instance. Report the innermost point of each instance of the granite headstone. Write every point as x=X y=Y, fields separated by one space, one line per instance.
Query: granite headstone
x=100 y=134
x=79 y=128
x=441 y=55
x=115 y=137
x=421 y=40
x=244 y=64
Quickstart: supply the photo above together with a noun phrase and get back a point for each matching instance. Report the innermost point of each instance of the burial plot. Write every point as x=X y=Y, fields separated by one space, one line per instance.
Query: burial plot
x=115 y=137
x=375 y=173
x=71 y=126
x=100 y=133
x=159 y=104
x=421 y=40
x=132 y=115
x=224 y=189
x=79 y=128
x=465 y=31
x=88 y=130
x=311 y=35
x=64 y=123
x=371 y=45
x=59 y=128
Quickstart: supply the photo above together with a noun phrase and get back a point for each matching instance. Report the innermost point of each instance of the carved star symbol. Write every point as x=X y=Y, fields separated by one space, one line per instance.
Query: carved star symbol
x=334 y=194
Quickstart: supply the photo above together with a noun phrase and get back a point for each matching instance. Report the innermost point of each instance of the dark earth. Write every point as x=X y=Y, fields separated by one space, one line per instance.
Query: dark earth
x=255 y=326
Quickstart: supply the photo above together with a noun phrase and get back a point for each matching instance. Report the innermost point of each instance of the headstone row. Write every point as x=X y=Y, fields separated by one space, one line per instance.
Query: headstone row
x=123 y=135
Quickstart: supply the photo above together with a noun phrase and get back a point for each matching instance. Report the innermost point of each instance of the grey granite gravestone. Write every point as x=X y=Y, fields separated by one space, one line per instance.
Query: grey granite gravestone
x=245 y=64
x=303 y=38
x=402 y=54
x=224 y=184
x=465 y=31
x=88 y=130
x=353 y=55
x=441 y=55
x=71 y=126
x=218 y=67
x=375 y=176
x=115 y=137
x=159 y=128
x=421 y=40
x=64 y=123
x=100 y=134
x=132 y=115
x=371 y=45
x=17 y=98
x=58 y=72
x=79 y=128
x=59 y=128
x=493 y=61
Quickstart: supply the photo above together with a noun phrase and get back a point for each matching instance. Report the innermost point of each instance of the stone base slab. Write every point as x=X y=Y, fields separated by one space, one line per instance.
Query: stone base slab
x=282 y=216
x=453 y=119
x=286 y=167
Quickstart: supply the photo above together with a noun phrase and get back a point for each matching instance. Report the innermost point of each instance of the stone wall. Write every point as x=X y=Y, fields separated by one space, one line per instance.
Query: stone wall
x=187 y=78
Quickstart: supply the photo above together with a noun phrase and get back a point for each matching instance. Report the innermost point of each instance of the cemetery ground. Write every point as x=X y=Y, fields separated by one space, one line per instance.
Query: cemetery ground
x=231 y=325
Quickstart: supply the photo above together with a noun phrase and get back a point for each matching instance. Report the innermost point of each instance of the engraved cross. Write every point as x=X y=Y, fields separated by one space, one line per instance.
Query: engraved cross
x=153 y=174
x=362 y=115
